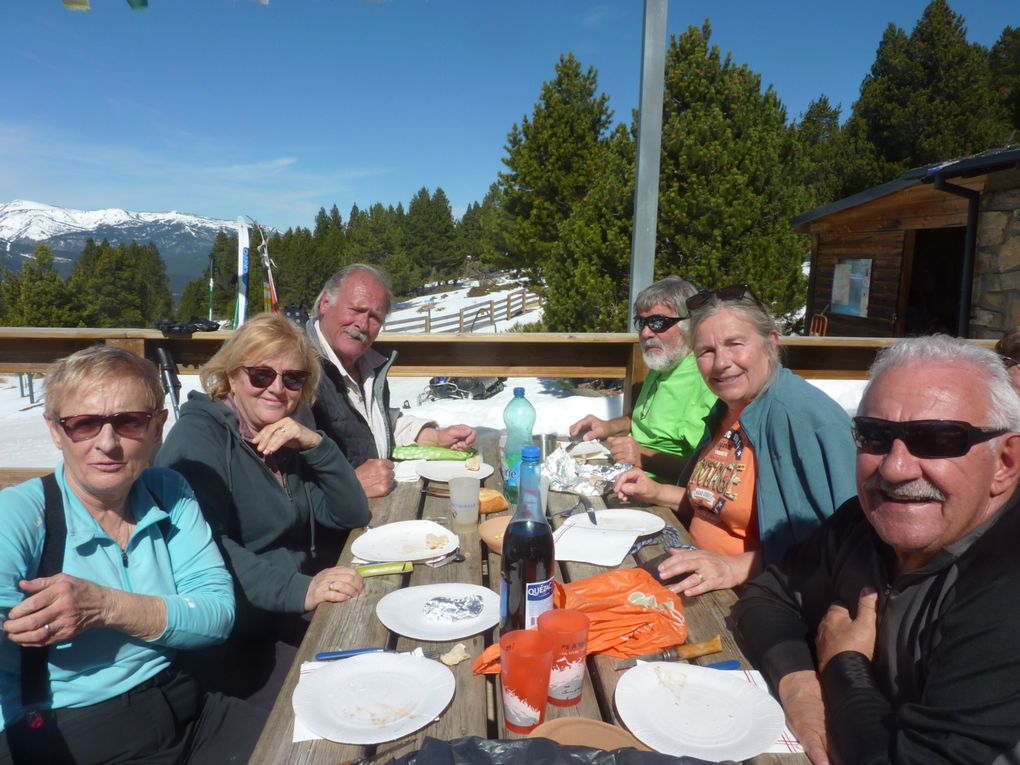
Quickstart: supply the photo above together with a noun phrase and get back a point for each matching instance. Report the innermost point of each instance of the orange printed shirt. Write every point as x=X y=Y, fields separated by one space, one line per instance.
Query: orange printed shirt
x=721 y=493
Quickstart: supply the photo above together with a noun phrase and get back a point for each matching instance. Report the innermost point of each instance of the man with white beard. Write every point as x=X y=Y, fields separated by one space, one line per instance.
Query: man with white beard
x=667 y=421
x=352 y=404
x=890 y=634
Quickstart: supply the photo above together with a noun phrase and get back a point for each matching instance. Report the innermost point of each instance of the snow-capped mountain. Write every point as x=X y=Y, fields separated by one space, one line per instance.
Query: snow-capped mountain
x=183 y=240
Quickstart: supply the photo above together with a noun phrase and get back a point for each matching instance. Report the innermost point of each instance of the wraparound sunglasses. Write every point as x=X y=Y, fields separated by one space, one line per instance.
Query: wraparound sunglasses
x=263 y=377
x=656 y=322
x=928 y=439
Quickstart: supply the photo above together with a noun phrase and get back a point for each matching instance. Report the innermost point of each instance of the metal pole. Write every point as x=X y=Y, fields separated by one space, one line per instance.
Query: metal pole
x=649 y=146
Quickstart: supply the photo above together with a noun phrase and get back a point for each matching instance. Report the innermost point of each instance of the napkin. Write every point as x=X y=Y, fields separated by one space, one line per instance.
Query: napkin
x=301 y=732
x=406 y=471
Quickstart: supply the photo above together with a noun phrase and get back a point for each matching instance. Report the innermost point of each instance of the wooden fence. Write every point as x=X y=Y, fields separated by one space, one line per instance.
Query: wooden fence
x=473 y=318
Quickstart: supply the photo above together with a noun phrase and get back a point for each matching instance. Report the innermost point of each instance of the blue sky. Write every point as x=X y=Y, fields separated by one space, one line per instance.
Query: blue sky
x=230 y=107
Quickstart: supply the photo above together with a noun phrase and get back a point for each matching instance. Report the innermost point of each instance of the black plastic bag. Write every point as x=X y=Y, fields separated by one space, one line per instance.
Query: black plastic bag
x=534 y=751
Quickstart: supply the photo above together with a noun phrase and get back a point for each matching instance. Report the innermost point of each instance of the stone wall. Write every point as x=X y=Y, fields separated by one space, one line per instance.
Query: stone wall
x=996 y=295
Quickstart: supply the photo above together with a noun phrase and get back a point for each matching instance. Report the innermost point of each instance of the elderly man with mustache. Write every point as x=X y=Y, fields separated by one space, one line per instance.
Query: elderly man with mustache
x=352 y=405
x=891 y=633
x=668 y=417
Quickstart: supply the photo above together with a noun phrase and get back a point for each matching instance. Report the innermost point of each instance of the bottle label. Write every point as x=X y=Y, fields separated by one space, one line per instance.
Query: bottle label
x=539 y=598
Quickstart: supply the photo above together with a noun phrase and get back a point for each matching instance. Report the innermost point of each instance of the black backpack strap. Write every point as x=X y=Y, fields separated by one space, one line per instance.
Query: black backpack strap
x=35 y=673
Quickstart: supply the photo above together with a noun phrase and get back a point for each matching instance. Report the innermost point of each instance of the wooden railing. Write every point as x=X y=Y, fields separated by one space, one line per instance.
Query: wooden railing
x=472 y=318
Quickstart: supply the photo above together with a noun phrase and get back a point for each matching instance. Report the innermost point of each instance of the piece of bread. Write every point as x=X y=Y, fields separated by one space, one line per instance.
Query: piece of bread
x=491 y=501
x=473 y=462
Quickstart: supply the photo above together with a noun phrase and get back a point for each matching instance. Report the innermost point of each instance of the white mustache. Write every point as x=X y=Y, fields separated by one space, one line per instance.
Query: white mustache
x=652 y=342
x=357 y=334
x=918 y=490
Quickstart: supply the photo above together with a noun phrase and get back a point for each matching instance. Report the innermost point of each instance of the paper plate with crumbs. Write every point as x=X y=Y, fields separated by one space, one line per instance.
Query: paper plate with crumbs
x=448 y=611
x=443 y=470
x=372 y=698
x=405 y=540
x=683 y=709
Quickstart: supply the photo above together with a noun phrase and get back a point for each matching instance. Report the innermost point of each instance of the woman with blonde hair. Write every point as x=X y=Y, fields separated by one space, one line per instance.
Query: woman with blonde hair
x=271 y=488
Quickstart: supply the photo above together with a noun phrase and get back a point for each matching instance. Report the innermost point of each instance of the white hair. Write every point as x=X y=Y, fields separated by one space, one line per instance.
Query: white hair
x=1003 y=402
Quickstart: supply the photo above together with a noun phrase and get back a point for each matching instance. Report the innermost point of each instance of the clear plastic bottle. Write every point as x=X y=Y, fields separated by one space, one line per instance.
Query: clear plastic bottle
x=529 y=560
x=519 y=419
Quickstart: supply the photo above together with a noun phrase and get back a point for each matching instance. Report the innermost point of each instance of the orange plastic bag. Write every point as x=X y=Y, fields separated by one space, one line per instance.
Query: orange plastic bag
x=631 y=614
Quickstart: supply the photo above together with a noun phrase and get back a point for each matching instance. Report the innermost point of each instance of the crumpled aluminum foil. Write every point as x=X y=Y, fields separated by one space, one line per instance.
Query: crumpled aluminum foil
x=567 y=474
x=445 y=609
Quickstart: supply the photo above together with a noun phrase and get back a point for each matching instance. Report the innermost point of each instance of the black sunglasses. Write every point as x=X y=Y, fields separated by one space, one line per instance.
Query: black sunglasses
x=657 y=322
x=928 y=439
x=82 y=427
x=263 y=377
x=729 y=292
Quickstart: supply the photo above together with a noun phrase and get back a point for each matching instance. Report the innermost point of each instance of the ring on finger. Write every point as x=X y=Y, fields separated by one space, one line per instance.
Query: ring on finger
x=701 y=579
x=331 y=587
x=49 y=630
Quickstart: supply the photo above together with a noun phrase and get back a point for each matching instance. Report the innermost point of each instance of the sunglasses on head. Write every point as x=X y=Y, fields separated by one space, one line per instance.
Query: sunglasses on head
x=82 y=427
x=657 y=322
x=930 y=439
x=1010 y=362
x=263 y=377
x=730 y=292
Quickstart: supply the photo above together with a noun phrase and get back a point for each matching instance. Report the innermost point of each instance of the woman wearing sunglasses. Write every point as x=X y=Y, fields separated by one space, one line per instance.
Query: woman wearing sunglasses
x=776 y=457
x=107 y=570
x=278 y=495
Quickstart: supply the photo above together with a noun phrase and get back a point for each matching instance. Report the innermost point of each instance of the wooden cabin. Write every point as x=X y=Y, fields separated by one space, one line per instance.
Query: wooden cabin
x=935 y=250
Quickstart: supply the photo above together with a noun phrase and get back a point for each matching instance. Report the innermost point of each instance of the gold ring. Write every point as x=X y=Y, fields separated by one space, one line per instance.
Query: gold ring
x=48 y=630
x=701 y=579
x=331 y=587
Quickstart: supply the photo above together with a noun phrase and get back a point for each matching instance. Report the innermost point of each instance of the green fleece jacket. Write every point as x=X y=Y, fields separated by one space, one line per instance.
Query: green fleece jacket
x=266 y=532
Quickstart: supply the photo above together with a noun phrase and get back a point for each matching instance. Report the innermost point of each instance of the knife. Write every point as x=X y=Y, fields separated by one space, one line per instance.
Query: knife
x=349 y=652
x=588 y=509
x=687 y=651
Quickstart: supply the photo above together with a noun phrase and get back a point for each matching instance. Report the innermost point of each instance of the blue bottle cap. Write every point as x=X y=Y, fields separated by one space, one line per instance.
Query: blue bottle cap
x=518 y=391
x=531 y=453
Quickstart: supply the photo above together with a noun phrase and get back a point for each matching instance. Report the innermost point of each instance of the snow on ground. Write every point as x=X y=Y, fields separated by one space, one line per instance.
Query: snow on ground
x=26 y=441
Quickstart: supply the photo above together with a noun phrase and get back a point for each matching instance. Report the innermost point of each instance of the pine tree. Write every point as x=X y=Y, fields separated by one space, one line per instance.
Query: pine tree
x=551 y=163
x=928 y=97
x=322 y=224
x=36 y=296
x=1005 y=65
x=731 y=177
x=430 y=237
x=824 y=147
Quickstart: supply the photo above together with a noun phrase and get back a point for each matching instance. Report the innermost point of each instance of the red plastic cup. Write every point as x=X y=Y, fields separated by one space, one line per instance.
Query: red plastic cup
x=568 y=629
x=525 y=658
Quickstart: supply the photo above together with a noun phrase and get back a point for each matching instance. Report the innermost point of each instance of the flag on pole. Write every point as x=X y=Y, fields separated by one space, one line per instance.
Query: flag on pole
x=241 y=308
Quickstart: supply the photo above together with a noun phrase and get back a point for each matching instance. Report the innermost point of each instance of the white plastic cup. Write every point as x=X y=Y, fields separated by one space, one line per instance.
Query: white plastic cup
x=464 y=501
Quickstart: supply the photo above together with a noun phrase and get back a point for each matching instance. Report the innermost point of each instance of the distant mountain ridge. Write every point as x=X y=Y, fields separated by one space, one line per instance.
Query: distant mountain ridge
x=184 y=240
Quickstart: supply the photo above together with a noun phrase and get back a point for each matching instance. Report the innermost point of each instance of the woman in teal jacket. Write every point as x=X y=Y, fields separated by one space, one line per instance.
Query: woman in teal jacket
x=775 y=460
x=274 y=491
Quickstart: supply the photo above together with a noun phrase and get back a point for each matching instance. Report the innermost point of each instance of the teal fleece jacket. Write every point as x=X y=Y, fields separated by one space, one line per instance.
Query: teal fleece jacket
x=806 y=459
x=266 y=532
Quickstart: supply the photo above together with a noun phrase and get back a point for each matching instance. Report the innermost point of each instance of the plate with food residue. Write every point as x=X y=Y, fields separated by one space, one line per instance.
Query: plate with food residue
x=447 y=611
x=405 y=540
x=683 y=709
x=372 y=698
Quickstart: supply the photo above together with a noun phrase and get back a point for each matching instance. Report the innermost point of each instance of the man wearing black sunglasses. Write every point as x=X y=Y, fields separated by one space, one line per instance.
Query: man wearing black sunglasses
x=909 y=589
x=668 y=416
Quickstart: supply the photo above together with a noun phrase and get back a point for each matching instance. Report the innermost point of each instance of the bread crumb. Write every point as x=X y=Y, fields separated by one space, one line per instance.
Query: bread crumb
x=455 y=655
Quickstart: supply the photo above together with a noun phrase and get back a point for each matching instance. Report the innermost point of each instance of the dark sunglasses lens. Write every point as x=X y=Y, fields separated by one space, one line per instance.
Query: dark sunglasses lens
x=293 y=379
x=733 y=292
x=657 y=322
x=937 y=440
x=873 y=437
x=261 y=377
x=694 y=302
x=130 y=424
x=83 y=427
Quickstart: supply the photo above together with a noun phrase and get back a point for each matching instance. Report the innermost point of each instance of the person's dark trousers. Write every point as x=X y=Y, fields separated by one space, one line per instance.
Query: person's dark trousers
x=164 y=721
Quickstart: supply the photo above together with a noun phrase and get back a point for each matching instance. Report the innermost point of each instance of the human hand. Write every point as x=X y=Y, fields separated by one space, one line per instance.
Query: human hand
x=635 y=484
x=624 y=450
x=333 y=585
x=286 y=432
x=800 y=693
x=57 y=608
x=837 y=632
x=704 y=571
x=589 y=428
x=456 y=437
x=377 y=477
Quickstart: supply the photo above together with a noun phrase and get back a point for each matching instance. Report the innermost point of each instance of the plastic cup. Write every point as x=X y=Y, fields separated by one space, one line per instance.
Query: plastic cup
x=543 y=488
x=525 y=658
x=464 y=501
x=568 y=629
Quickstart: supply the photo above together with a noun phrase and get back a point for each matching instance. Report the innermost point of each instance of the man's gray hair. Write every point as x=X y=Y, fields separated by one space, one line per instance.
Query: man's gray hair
x=334 y=282
x=1003 y=402
x=671 y=291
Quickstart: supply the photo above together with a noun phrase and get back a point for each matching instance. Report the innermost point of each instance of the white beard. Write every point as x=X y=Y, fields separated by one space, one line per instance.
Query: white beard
x=665 y=360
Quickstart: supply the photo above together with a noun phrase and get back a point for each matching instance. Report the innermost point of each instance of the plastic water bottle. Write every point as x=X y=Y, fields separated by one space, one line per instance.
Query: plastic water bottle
x=519 y=418
x=529 y=559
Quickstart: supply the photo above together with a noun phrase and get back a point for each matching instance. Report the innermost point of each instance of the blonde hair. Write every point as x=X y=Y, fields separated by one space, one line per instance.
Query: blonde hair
x=260 y=337
x=91 y=368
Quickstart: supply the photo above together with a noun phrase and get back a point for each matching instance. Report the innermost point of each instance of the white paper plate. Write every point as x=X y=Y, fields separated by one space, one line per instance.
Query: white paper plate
x=373 y=698
x=444 y=470
x=620 y=519
x=403 y=540
x=401 y=611
x=588 y=544
x=682 y=709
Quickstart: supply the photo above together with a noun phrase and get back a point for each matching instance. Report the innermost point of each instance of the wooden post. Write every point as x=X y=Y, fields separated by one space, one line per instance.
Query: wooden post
x=492 y=312
x=508 y=306
x=461 y=329
x=428 y=320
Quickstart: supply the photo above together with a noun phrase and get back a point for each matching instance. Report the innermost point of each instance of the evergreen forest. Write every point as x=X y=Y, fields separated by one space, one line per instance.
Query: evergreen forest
x=735 y=168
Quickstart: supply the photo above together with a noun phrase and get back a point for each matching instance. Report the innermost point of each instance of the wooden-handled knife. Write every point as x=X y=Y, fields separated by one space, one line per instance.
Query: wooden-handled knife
x=677 y=653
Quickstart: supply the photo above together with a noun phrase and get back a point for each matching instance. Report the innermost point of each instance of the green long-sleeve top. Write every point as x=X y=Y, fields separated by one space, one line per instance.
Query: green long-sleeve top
x=266 y=530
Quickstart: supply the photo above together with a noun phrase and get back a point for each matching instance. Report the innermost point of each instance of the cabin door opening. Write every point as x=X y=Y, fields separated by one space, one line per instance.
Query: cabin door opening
x=936 y=275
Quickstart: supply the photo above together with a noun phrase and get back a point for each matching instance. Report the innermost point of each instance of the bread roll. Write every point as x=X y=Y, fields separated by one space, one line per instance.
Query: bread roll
x=491 y=501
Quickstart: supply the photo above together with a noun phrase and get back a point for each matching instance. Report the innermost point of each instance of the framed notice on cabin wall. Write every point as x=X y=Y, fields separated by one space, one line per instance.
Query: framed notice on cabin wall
x=851 y=286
